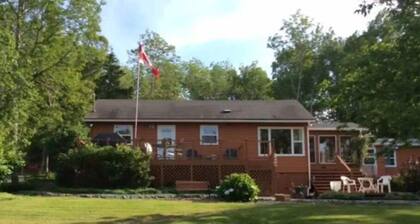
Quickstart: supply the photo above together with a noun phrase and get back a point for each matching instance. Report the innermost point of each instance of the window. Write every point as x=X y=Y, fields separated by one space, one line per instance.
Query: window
x=125 y=131
x=326 y=149
x=282 y=141
x=345 y=150
x=264 y=142
x=209 y=134
x=312 y=148
x=390 y=159
x=370 y=158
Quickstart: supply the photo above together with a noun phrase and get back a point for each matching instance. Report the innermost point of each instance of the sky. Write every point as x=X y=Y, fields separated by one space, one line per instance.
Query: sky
x=218 y=30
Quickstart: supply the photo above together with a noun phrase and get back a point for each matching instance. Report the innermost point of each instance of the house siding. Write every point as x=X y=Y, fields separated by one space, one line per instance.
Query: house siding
x=403 y=156
x=287 y=170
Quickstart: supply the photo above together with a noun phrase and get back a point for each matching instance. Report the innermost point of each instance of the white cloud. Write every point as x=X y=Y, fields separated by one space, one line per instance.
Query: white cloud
x=190 y=24
x=251 y=19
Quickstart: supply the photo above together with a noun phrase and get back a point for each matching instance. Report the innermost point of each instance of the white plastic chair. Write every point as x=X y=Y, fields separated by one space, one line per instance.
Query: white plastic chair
x=384 y=181
x=347 y=182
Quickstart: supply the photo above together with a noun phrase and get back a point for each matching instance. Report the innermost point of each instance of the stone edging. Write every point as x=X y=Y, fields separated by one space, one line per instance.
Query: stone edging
x=167 y=196
x=364 y=202
x=122 y=196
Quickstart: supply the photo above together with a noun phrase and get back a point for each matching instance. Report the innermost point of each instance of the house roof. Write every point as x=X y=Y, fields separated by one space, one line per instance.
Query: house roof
x=335 y=125
x=195 y=110
x=391 y=142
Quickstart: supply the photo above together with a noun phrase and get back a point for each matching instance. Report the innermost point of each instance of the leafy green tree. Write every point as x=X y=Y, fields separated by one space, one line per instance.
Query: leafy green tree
x=163 y=56
x=208 y=83
x=304 y=61
x=380 y=88
x=252 y=83
x=56 y=50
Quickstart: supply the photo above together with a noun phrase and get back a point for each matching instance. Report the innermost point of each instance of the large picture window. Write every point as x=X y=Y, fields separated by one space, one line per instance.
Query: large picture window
x=125 y=131
x=282 y=141
x=209 y=134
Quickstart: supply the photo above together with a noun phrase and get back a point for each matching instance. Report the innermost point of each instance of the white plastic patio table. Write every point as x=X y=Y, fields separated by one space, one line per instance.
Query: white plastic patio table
x=363 y=181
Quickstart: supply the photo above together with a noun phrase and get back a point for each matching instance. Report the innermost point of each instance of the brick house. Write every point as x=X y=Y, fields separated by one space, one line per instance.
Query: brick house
x=277 y=142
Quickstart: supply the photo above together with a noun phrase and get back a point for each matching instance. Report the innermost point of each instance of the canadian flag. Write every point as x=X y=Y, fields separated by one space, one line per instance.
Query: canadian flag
x=144 y=59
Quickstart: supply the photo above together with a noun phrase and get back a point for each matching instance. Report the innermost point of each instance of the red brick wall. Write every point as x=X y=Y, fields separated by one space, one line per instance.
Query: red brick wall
x=403 y=156
x=231 y=135
x=289 y=169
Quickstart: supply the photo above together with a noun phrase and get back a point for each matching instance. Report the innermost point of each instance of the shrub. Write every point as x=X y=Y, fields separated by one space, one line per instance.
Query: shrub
x=238 y=187
x=401 y=196
x=361 y=196
x=397 y=184
x=15 y=187
x=103 y=167
x=410 y=177
x=342 y=195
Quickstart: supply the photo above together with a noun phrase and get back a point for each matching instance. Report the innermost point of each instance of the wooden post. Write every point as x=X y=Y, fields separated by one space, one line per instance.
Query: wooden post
x=191 y=173
x=161 y=175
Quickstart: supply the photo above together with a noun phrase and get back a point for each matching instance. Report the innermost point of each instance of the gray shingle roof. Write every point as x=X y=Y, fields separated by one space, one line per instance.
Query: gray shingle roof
x=337 y=125
x=182 y=110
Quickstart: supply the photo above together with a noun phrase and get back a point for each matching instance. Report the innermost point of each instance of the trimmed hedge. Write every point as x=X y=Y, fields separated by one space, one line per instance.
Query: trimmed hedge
x=104 y=167
x=238 y=187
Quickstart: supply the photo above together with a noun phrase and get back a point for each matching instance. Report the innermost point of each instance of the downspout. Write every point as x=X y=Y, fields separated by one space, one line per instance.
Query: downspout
x=309 y=159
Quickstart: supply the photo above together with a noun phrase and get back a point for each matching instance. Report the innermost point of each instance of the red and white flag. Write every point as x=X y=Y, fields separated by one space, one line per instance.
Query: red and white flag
x=144 y=59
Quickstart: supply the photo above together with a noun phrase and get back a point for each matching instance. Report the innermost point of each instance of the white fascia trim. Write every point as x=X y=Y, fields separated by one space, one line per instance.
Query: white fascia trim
x=199 y=121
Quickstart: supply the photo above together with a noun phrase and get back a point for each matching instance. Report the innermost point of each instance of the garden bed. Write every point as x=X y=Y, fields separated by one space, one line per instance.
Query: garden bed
x=405 y=196
x=186 y=196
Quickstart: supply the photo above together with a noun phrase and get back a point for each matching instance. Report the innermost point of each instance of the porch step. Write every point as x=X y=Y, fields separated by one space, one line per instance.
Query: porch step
x=321 y=179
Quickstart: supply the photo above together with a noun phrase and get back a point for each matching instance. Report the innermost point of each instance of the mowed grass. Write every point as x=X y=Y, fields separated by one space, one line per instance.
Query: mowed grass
x=35 y=209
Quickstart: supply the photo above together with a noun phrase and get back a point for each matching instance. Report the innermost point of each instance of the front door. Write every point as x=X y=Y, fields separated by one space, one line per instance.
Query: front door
x=166 y=141
x=327 y=149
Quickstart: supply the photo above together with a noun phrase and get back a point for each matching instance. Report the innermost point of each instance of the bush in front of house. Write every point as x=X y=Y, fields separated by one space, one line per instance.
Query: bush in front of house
x=407 y=196
x=103 y=167
x=342 y=195
x=409 y=179
x=238 y=187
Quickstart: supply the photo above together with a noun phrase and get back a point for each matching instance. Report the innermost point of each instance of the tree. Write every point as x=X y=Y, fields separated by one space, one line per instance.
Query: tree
x=208 y=83
x=252 y=83
x=115 y=82
x=381 y=88
x=163 y=56
x=55 y=51
x=304 y=61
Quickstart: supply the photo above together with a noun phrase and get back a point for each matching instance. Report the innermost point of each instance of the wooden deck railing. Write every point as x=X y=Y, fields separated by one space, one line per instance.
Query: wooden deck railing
x=194 y=150
x=344 y=164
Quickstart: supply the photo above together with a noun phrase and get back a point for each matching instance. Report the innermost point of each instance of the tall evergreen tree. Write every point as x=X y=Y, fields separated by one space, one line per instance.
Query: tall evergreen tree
x=115 y=82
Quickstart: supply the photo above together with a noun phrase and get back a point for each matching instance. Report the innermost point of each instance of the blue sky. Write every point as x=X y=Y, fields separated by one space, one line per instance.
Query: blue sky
x=217 y=30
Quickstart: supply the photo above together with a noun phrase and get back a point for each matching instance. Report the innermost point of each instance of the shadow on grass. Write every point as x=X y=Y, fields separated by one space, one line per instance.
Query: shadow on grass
x=288 y=213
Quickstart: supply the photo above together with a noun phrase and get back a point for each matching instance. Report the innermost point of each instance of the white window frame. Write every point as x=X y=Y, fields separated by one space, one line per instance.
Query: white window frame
x=130 y=127
x=269 y=128
x=374 y=157
x=259 y=142
x=202 y=127
x=395 y=160
x=319 y=148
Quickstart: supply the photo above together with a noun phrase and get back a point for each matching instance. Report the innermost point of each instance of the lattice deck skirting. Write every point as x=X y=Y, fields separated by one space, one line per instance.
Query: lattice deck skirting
x=167 y=175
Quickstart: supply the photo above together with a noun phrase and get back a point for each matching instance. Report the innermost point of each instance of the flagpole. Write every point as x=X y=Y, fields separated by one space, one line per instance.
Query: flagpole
x=137 y=101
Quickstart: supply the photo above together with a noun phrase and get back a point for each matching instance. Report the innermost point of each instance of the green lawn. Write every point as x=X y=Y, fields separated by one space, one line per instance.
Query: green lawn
x=30 y=209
